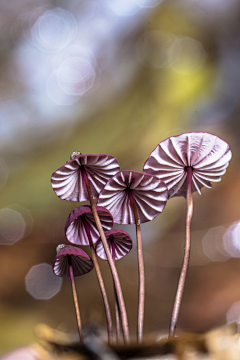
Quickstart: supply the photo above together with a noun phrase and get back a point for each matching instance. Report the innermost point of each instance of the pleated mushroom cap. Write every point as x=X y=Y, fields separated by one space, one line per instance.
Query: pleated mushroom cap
x=207 y=154
x=122 y=244
x=68 y=182
x=82 y=217
x=81 y=262
x=148 y=191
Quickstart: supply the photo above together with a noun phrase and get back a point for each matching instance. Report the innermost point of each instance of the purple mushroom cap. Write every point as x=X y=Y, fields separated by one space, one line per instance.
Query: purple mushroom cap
x=148 y=191
x=68 y=182
x=82 y=217
x=122 y=244
x=207 y=154
x=81 y=262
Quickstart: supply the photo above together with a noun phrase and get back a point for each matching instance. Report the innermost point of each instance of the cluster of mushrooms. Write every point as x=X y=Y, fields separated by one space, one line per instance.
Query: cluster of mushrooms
x=178 y=166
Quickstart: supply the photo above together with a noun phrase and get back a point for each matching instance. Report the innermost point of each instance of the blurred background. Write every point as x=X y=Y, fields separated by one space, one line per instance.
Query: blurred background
x=115 y=77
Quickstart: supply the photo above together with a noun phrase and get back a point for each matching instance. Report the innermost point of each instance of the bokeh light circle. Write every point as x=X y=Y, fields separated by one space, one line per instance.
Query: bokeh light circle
x=187 y=55
x=231 y=240
x=75 y=76
x=54 y=30
x=41 y=283
x=12 y=226
x=213 y=246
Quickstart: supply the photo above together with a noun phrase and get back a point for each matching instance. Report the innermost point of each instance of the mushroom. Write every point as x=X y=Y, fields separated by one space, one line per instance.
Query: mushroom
x=120 y=243
x=81 y=229
x=71 y=261
x=81 y=179
x=186 y=163
x=82 y=173
x=133 y=198
x=81 y=219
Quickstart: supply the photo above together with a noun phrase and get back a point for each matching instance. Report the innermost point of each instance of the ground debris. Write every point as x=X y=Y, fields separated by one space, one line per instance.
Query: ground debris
x=218 y=344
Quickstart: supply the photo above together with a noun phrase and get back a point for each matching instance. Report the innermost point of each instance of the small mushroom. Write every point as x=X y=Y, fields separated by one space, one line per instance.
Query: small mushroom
x=120 y=244
x=70 y=262
x=186 y=163
x=81 y=229
x=133 y=198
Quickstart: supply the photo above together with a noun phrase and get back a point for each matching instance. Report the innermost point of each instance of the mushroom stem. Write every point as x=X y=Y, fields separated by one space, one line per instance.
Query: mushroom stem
x=141 y=296
x=101 y=285
x=181 y=282
x=110 y=260
x=118 y=328
x=75 y=298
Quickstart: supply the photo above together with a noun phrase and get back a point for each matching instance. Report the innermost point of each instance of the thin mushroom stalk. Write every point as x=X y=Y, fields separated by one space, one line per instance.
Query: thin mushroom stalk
x=117 y=318
x=117 y=315
x=101 y=285
x=110 y=260
x=182 y=279
x=141 y=276
x=79 y=324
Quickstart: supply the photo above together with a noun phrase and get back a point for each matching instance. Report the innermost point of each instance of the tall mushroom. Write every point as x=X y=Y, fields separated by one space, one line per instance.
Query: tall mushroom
x=81 y=229
x=71 y=261
x=81 y=179
x=133 y=198
x=120 y=243
x=186 y=163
